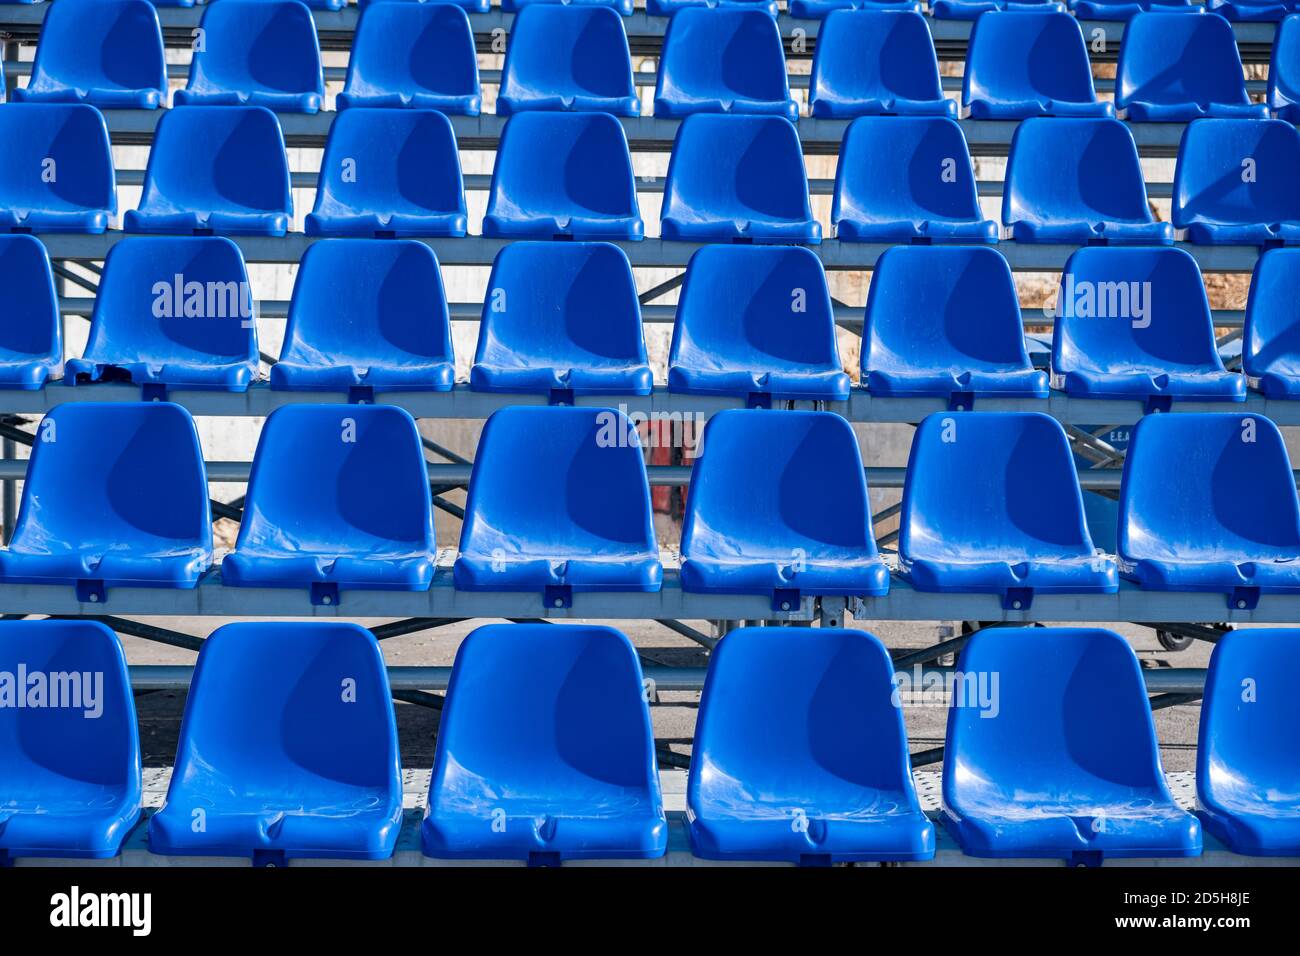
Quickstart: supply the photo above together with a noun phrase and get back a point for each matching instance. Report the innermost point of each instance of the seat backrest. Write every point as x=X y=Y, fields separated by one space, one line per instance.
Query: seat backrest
x=1014 y=494
x=566 y=51
x=905 y=167
x=942 y=307
x=1170 y=58
x=781 y=717
x=771 y=483
x=1235 y=493
x=413 y=48
x=55 y=156
x=1272 y=331
x=338 y=477
x=550 y=303
x=761 y=304
x=875 y=54
x=73 y=743
x=257 y=44
x=721 y=54
x=375 y=298
x=1066 y=168
x=85 y=41
x=1284 y=64
x=30 y=324
x=1237 y=171
x=1124 y=310
x=1027 y=55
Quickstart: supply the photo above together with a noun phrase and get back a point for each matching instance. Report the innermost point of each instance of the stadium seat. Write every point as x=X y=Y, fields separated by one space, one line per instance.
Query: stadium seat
x=778 y=506
x=800 y=753
x=71 y=782
x=1069 y=768
x=756 y=322
x=389 y=173
x=1251 y=10
x=561 y=319
x=338 y=500
x=545 y=750
x=907 y=179
x=108 y=53
x=1270 y=352
x=1174 y=68
x=215 y=169
x=56 y=169
x=737 y=179
x=314 y=4
x=622 y=7
x=1235 y=182
x=1024 y=64
x=1247 y=759
x=256 y=53
x=31 y=329
x=565 y=175
x=723 y=61
x=558 y=503
x=1135 y=324
x=171 y=312
x=1125 y=9
x=991 y=504
x=1284 y=71
x=945 y=322
x=1078 y=181
x=413 y=55
x=116 y=495
x=288 y=749
x=469 y=6
x=367 y=316
x=667 y=8
x=1229 y=524
x=973 y=9
x=568 y=58
x=876 y=61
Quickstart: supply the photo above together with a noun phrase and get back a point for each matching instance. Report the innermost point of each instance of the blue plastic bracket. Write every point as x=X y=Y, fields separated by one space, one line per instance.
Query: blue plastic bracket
x=786 y=599
x=269 y=858
x=561 y=396
x=961 y=402
x=815 y=859
x=1244 y=598
x=1088 y=858
x=361 y=395
x=90 y=591
x=759 y=400
x=1017 y=599
x=544 y=858
x=559 y=595
x=6 y=860
x=1159 y=403
x=324 y=593
x=153 y=392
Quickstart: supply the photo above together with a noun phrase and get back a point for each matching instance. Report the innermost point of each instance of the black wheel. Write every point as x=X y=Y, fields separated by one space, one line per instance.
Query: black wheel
x=1172 y=642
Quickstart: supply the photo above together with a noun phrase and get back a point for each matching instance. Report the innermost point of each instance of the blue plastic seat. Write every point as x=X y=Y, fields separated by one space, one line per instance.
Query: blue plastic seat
x=171 y=312
x=621 y=7
x=561 y=319
x=389 y=172
x=1251 y=10
x=31 y=329
x=338 y=500
x=119 y=498
x=56 y=169
x=413 y=55
x=800 y=753
x=108 y=53
x=71 y=783
x=545 y=750
x=469 y=6
x=819 y=9
x=1284 y=71
x=367 y=316
x=215 y=169
x=1068 y=767
x=1078 y=181
x=1247 y=759
x=558 y=503
x=256 y=53
x=1022 y=64
x=1229 y=524
x=973 y=9
x=1235 y=182
x=563 y=174
x=945 y=322
x=1126 y=9
x=870 y=62
x=756 y=322
x=1135 y=324
x=907 y=179
x=737 y=179
x=568 y=58
x=288 y=748
x=1270 y=351
x=668 y=8
x=1174 y=68
x=723 y=61
x=778 y=506
x=991 y=504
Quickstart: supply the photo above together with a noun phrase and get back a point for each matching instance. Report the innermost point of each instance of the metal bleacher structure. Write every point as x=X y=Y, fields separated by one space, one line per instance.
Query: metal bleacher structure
x=937 y=567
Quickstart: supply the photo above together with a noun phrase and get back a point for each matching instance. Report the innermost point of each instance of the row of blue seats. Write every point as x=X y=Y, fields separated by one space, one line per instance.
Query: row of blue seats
x=545 y=749
x=390 y=172
x=109 y=53
x=563 y=320
x=559 y=503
